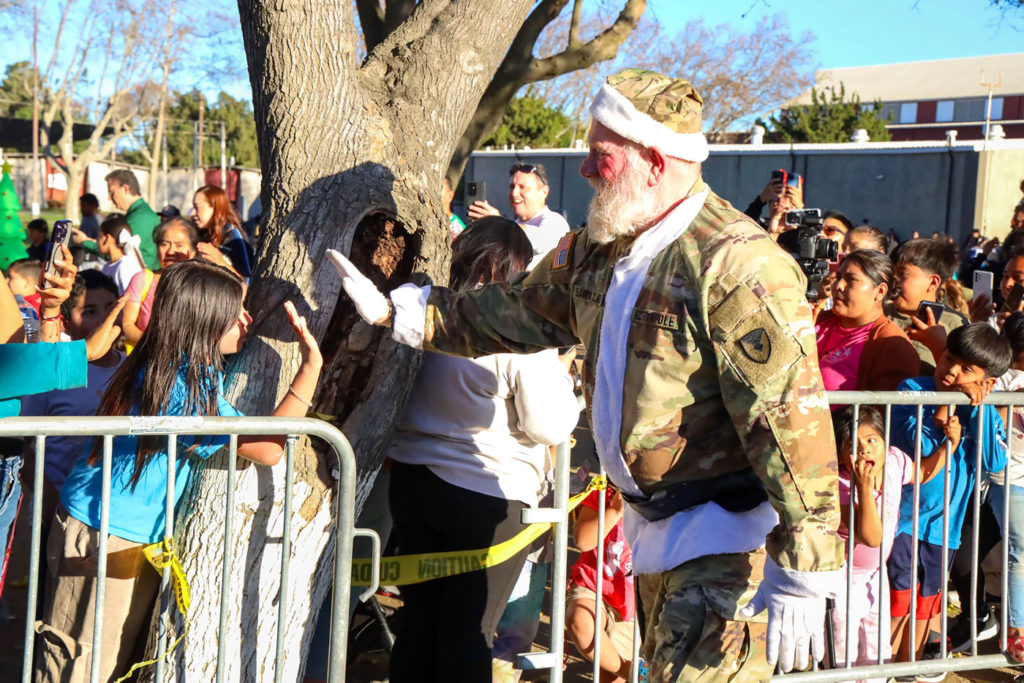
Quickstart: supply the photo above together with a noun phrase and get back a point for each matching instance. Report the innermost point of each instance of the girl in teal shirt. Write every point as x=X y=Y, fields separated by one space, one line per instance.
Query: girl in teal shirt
x=176 y=369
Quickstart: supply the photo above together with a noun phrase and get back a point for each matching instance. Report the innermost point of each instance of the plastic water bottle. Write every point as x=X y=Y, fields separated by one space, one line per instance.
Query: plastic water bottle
x=30 y=320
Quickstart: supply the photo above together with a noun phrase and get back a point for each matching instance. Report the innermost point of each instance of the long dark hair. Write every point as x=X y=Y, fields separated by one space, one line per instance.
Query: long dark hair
x=490 y=249
x=195 y=304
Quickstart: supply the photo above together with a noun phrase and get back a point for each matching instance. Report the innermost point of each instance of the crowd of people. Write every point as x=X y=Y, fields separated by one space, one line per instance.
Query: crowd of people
x=704 y=365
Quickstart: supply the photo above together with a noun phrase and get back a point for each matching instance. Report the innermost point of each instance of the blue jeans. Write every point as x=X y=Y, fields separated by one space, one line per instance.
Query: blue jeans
x=1014 y=538
x=10 y=501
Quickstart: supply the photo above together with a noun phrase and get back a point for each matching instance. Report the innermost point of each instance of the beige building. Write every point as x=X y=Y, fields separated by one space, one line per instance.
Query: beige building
x=926 y=99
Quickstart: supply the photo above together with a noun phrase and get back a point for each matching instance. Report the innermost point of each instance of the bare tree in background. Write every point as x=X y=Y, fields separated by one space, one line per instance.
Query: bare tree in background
x=740 y=74
x=121 y=37
x=212 y=65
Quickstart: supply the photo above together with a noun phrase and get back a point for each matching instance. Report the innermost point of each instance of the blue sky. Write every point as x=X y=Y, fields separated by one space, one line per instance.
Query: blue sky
x=847 y=33
x=870 y=31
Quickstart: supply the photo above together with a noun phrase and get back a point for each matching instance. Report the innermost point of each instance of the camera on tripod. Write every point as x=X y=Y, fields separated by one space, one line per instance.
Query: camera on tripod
x=813 y=251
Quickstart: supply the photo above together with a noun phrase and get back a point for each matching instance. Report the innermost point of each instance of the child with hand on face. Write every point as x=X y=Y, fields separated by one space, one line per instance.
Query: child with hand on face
x=876 y=479
x=975 y=355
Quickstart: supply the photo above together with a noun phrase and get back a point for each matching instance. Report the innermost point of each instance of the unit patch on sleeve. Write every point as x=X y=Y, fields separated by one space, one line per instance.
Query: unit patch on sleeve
x=757 y=345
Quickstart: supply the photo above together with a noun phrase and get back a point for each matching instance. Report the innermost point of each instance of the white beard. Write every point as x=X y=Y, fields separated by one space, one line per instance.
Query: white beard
x=624 y=206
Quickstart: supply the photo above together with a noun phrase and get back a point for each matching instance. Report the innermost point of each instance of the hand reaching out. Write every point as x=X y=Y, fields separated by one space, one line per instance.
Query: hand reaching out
x=98 y=343
x=307 y=342
x=372 y=306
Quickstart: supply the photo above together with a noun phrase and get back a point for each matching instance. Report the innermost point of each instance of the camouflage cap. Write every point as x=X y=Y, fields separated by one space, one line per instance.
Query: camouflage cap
x=653 y=110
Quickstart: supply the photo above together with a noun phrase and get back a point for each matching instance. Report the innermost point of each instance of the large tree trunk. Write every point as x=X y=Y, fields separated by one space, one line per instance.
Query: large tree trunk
x=353 y=159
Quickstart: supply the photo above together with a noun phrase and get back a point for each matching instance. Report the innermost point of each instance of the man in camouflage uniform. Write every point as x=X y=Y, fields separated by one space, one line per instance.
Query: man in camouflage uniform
x=702 y=387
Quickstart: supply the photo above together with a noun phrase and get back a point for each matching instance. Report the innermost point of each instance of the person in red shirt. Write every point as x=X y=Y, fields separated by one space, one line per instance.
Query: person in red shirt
x=617 y=605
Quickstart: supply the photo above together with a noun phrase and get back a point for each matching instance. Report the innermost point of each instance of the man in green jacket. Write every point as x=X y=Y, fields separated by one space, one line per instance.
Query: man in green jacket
x=124 y=192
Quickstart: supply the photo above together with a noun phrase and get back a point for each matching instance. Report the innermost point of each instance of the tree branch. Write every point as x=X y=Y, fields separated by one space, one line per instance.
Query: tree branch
x=407 y=35
x=574 y=24
x=520 y=67
x=520 y=53
x=604 y=45
x=371 y=18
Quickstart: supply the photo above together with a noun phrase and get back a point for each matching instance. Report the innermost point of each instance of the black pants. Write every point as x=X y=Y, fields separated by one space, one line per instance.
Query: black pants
x=447 y=625
x=988 y=536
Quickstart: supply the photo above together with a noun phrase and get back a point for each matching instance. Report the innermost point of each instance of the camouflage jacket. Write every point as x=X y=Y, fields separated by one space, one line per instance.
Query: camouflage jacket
x=721 y=373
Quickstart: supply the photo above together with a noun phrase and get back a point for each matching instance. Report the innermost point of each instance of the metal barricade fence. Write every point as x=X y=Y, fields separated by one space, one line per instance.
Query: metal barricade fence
x=552 y=660
x=109 y=427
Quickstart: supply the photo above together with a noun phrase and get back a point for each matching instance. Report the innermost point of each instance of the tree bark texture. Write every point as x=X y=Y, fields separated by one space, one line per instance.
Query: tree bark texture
x=353 y=158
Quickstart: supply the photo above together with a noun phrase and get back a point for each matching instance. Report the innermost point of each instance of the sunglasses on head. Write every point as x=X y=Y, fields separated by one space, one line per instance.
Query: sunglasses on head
x=530 y=168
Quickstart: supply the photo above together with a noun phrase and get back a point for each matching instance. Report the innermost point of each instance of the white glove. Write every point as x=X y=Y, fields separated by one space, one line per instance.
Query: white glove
x=796 y=613
x=373 y=306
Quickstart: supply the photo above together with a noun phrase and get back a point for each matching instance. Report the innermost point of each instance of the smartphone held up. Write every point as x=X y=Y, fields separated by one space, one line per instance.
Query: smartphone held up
x=59 y=236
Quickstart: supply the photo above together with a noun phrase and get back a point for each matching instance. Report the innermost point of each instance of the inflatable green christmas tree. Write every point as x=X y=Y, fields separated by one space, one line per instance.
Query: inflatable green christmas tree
x=12 y=235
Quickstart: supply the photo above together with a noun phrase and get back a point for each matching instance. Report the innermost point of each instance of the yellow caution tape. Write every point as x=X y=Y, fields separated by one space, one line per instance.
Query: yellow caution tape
x=403 y=570
x=162 y=555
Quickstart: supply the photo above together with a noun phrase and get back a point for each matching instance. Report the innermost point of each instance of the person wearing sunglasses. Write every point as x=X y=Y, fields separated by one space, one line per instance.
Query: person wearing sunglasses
x=527 y=195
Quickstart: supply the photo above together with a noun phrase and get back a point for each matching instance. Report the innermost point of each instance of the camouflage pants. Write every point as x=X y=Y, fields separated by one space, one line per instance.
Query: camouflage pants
x=692 y=631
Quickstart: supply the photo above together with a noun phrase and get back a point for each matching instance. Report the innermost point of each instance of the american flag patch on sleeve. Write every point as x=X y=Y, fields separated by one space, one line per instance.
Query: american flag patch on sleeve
x=561 y=257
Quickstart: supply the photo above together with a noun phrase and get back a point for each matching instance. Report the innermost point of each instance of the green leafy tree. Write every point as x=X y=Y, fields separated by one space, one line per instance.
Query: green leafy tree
x=830 y=117
x=16 y=90
x=530 y=122
x=240 y=129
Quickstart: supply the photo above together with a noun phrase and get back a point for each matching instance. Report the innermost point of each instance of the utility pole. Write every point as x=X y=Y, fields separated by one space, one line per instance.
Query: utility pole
x=988 y=107
x=195 y=155
x=164 y=145
x=202 y=132
x=984 y=147
x=223 y=157
x=36 y=184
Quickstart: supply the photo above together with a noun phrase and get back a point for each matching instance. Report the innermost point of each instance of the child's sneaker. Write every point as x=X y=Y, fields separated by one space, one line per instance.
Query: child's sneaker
x=933 y=651
x=960 y=633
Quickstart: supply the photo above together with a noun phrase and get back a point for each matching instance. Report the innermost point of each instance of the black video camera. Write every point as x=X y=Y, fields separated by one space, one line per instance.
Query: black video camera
x=813 y=251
